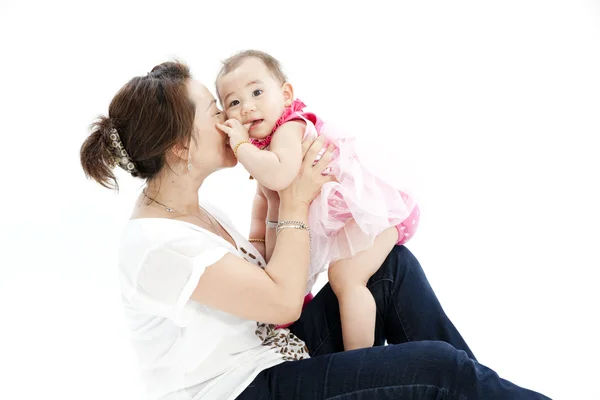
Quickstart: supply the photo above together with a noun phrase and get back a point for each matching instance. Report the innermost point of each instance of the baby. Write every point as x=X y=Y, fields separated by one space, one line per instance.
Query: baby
x=349 y=217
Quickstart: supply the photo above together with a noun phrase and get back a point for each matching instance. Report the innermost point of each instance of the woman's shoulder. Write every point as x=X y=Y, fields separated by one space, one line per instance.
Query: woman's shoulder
x=153 y=228
x=144 y=236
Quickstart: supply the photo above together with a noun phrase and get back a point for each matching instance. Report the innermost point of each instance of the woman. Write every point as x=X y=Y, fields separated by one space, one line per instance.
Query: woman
x=193 y=287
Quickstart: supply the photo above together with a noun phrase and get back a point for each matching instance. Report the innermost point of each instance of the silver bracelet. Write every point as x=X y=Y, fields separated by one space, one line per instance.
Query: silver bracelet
x=271 y=224
x=288 y=222
x=293 y=225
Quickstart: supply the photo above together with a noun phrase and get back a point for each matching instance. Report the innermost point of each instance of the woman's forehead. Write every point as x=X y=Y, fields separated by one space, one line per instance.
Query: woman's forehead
x=199 y=93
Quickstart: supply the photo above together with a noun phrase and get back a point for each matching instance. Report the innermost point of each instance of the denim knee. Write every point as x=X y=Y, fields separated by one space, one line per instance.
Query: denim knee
x=444 y=363
x=398 y=262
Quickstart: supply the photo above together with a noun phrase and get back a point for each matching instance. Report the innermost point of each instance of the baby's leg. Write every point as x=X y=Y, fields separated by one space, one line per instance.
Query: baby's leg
x=348 y=279
x=357 y=306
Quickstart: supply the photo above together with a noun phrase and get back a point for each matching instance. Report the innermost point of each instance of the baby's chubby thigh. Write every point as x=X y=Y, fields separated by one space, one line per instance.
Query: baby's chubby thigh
x=347 y=273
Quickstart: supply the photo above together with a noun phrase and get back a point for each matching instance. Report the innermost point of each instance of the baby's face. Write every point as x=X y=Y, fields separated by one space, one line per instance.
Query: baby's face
x=251 y=94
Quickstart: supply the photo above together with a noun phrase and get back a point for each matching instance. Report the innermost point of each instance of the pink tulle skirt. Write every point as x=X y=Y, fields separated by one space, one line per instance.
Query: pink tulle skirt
x=349 y=214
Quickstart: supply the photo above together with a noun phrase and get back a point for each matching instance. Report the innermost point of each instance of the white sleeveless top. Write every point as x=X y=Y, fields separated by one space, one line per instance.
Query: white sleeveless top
x=187 y=350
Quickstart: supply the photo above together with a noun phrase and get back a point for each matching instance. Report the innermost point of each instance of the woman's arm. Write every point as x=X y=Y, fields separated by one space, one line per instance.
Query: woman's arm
x=275 y=294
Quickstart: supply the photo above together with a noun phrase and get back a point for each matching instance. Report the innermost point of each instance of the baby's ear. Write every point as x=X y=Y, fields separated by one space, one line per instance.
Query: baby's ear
x=288 y=93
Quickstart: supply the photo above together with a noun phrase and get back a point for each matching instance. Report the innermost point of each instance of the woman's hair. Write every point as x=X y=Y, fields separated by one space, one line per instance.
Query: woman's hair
x=235 y=60
x=148 y=116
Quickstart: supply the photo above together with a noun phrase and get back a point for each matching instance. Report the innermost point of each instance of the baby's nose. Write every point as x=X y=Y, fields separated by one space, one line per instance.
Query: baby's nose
x=247 y=106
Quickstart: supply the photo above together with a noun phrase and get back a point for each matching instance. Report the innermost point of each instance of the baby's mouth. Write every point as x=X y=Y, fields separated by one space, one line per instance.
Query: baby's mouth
x=254 y=124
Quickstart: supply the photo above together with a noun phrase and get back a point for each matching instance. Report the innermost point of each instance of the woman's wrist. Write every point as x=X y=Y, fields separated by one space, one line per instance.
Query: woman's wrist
x=294 y=210
x=290 y=199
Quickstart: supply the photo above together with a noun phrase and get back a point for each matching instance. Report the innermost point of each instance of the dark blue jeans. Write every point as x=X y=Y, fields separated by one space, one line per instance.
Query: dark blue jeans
x=426 y=357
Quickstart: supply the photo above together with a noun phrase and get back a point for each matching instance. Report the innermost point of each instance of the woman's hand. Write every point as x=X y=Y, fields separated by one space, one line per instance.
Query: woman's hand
x=235 y=130
x=307 y=184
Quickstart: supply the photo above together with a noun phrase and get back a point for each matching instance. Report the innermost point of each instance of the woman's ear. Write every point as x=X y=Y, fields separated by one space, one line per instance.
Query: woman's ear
x=179 y=151
x=288 y=93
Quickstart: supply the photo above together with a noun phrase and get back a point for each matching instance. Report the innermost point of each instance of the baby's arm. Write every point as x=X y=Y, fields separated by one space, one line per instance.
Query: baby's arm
x=276 y=168
x=257 y=223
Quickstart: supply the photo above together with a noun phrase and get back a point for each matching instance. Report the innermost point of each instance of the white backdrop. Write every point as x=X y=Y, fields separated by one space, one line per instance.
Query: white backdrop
x=495 y=105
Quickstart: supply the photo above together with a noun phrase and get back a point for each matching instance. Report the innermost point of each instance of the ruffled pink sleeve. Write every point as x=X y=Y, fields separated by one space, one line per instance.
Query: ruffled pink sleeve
x=292 y=113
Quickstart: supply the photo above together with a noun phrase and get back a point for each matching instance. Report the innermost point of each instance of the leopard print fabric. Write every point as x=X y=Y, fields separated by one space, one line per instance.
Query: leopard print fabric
x=283 y=341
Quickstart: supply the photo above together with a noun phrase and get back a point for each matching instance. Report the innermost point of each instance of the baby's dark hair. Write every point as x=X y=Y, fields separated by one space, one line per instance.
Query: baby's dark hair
x=235 y=60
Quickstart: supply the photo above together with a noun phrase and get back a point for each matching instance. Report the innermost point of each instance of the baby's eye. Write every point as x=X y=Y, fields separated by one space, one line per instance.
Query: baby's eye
x=219 y=112
x=257 y=92
x=234 y=103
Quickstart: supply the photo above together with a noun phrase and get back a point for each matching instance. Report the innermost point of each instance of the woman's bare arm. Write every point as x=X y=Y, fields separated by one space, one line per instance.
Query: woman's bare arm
x=274 y=294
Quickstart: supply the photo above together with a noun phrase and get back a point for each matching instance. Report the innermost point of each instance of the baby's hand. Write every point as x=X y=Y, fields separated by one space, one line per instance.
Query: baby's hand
x=235 y=130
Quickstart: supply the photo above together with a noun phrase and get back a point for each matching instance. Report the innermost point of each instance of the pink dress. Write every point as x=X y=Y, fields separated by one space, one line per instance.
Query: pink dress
x=347 y=215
